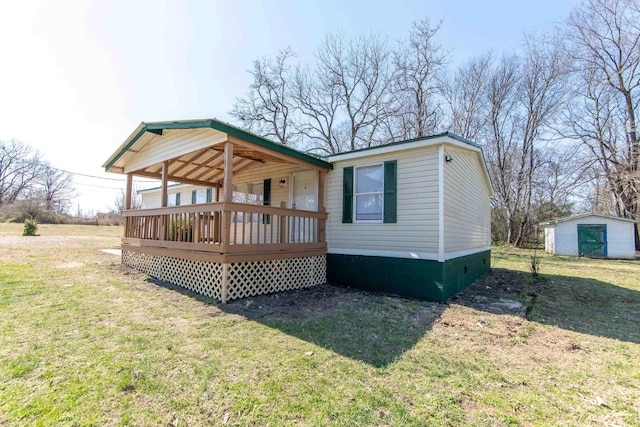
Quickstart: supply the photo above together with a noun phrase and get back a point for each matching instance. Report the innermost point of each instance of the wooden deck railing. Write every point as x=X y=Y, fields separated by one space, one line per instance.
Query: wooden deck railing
x=225 y=227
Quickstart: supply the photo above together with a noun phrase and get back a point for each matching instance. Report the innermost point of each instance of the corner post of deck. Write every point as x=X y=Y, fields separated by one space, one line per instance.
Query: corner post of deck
x=127 y=196
x=227 y=196
x=164 y=200
x=165 y=180
x=321 y=221
x=225 y=283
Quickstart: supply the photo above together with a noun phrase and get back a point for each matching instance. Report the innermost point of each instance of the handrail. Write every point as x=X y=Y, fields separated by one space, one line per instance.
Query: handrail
x=223 y=207
x=226 y=224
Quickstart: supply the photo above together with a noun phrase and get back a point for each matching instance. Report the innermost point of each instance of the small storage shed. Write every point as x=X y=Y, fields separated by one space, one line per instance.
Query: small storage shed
x=591 y=235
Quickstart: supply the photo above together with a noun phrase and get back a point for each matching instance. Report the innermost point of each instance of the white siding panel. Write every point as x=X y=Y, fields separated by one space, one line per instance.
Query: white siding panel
x=275 y=172
x=467 y=216
x=151 y=200
x=416 y=229
x=172 y=144
x=549 y=240
x=566 y=239
x=253 y=174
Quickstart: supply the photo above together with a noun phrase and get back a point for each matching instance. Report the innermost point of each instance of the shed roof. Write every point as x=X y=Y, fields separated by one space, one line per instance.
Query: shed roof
x=586 y=215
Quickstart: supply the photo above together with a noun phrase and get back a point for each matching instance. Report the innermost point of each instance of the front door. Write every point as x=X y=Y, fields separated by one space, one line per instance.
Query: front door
x=304 y=195
x=304 y=191
x=592 y=240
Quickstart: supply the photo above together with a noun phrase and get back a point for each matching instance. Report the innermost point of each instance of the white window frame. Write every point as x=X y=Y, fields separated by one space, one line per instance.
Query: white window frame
x=172 y=198
x=201 y=196
x=356 y=194
x=245 y=195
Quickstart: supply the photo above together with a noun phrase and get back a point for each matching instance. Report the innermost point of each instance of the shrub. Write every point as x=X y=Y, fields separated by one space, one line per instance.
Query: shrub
x=30 y=227
x=180 y=229
x=535 y=264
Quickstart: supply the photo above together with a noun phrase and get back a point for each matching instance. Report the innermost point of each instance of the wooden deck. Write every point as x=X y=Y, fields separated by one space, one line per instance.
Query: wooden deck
x=225 y=232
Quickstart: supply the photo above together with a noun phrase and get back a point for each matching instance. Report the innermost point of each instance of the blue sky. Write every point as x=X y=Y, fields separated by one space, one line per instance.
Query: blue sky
x=78 y=76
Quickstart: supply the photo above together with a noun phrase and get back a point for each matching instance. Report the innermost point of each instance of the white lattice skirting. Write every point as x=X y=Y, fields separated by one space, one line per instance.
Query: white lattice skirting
x=245 y=279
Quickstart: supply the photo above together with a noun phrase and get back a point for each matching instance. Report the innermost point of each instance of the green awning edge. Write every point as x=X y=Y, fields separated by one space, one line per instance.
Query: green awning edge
x=219 y=126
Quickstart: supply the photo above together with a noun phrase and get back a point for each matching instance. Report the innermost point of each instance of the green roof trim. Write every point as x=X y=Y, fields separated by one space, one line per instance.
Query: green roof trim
x=158 y=127
x=407 y=141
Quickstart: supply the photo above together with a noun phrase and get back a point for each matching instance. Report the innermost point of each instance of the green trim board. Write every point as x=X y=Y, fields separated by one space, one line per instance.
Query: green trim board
x=408 y=141
x=389 y=213
x=347 y=195
x=158 y=128
x=424 y=279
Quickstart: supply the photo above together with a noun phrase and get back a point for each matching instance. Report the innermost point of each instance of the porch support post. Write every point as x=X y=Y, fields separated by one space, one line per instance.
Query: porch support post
x=228 y=172
x=227 y=196
x=127 y=196
x=165 y=173
x=225 y=283
x=321 y=222
x=164 y=223
x=217 y=217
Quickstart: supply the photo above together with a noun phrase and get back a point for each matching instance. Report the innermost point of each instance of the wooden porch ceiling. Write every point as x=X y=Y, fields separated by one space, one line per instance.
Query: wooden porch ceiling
x=193 y=151
x=206 y=166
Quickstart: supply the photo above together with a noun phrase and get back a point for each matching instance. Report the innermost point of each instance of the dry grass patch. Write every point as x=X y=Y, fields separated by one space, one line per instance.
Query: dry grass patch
x=86 y=341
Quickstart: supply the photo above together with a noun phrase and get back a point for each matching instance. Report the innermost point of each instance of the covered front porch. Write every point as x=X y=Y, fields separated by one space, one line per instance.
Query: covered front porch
x=231 y=246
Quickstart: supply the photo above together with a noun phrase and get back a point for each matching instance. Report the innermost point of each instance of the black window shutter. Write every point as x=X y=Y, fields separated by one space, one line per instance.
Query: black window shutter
x=347 y=195
x=194 y=197
x=266 y=199
x=177 y=199
x=209 y=194
x=390 y=191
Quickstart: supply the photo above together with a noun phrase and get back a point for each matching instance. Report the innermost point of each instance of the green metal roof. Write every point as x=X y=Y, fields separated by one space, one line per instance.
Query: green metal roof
x=408 y=141
x=158 y=127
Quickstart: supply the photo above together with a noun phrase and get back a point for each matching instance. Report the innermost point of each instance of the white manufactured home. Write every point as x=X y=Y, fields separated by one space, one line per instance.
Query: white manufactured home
x=591 y=235
x=250 y=216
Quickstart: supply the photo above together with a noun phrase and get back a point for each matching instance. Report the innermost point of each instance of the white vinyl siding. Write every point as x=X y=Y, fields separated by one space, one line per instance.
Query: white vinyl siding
x=275 y=172
x=174 y=144
x=467 y=213
x=151 y=199
x=416 y=229
x=253 y=174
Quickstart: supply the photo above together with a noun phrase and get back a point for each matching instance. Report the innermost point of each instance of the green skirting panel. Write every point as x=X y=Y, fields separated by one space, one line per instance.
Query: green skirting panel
x=431 y=280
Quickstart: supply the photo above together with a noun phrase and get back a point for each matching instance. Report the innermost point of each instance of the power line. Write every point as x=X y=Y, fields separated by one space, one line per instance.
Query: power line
x=98 y=186
x=96 y=177
x=88 y=176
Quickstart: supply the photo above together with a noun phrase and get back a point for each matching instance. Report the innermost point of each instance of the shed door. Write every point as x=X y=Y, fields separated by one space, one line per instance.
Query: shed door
x=592 y=240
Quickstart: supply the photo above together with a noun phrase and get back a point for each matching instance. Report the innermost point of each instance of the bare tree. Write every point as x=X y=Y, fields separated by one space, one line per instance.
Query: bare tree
x=465 y=95
x=319 y=102
x=267 y=108
x=418 y=64
x=524 y=96
x=359 y=71
x=19 y=168
x=502 y=142
x=604 y=44
x=119 y=202
x=55 y=188
x=543 y=92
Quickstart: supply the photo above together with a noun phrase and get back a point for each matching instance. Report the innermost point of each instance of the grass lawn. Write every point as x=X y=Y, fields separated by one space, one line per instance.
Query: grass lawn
x=86 y=341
